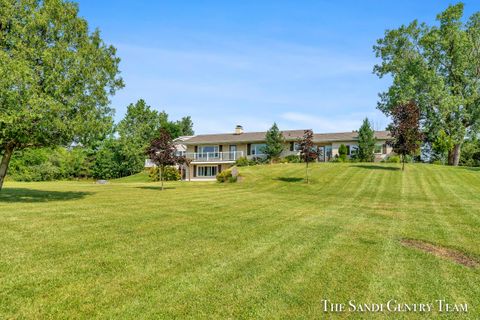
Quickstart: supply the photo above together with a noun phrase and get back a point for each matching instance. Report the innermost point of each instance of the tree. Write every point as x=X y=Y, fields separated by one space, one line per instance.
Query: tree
x=438 y=68
x=162 y=152
x=56 y=77
x=342 y=152
x=366 y=142
x=308 y=151
x=405 y=130
x=274 y=143
x=139 y=126
x=442 y=145
x=186 y=126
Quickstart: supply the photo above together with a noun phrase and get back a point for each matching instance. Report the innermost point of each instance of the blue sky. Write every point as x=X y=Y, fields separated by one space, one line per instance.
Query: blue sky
x=302 y=64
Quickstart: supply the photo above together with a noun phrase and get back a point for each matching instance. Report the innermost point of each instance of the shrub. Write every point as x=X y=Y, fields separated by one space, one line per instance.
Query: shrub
x=393 y=159
x=170 y=173
x=342 y=153
x=242 y=162
x=225 y=176
x=292 y=158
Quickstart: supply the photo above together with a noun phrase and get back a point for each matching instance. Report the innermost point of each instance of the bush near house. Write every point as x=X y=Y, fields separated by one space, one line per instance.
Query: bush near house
x=170 y=173
x=292 y=158
x=226 y=176
x=244 y=162
x=342 y=153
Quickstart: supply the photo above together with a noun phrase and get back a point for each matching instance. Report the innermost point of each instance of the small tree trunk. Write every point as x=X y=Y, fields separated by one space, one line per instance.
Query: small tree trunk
x=456 y=154
x=403 y=162
x=7 y=155
x=160 y=171
x=306 y=170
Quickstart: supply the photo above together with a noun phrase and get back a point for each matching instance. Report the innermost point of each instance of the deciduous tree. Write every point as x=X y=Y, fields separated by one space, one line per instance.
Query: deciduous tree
x=405 y=130
x=437 y=67
x=308 y=151
x=55 y=77
x=162 y=152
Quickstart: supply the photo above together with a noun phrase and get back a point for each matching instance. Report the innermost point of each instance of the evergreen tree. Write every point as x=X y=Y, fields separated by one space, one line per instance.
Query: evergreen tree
x=342 y=152
x=366 y=142
x=275 y=143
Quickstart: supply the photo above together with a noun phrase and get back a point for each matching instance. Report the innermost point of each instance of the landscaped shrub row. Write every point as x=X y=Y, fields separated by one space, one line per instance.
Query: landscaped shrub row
x=170 y=173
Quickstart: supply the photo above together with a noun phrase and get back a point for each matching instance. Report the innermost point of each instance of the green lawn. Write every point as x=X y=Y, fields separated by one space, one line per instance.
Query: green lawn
x=269 y=246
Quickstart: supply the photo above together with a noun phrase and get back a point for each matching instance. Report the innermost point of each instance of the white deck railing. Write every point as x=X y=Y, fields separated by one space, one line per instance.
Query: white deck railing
x=214 y=156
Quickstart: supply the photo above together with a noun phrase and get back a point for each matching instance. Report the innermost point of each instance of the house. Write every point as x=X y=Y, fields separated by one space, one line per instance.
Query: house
x=212 y=153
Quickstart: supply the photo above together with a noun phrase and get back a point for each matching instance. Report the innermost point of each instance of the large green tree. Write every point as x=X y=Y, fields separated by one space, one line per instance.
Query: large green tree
x=55 y=77
x=366 y=142
x=275 y=143
x=438 y=68
x=139 y=126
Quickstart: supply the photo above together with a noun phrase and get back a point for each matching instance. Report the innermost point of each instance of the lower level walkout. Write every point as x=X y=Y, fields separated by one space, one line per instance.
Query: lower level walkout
x=206 y=171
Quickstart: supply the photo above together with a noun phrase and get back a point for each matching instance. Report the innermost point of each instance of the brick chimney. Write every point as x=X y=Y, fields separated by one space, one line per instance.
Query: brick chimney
x=238 y=129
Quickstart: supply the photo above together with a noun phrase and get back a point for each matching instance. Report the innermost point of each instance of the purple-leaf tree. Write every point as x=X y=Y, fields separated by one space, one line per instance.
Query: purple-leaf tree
x=162 y=152
x=405 y=130
x=308 y=151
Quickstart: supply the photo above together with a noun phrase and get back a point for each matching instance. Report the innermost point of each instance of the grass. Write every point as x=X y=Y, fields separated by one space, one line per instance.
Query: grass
x=270 y=246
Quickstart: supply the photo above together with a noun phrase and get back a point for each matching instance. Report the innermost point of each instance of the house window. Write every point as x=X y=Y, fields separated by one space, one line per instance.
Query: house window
x=207 y=171
x=353 y=150
x=378 y=149
x=206 y=149
x=257 y=149
x=296 y=146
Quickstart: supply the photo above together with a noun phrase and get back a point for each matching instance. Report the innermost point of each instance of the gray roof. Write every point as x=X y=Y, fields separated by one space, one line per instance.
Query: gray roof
x=289 y=135
x=347 y=136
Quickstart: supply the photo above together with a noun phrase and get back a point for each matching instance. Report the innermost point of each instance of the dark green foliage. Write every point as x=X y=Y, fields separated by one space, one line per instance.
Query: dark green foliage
x=44 y=164
x=56 y=78
x=242 y=162
x=275 y=143
x=107 y=162
x=366 y=142
x=342 y=153
x=437 y=67
x=170 y=173
x=470 y=153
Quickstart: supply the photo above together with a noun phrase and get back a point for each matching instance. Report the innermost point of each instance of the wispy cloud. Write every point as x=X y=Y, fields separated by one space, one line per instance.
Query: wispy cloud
x=333 y=124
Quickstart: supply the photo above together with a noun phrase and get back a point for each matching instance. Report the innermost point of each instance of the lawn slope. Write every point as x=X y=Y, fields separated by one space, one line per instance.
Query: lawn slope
x=269 y=246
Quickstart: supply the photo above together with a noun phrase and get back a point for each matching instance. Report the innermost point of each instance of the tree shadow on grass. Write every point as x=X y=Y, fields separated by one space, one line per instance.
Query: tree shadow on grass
x=156 y=188
x=470 y=168
x=372 y=167
x=30 y=195
x=289 y=179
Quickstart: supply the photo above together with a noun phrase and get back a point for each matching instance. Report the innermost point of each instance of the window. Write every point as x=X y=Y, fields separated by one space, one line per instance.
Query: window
x=207 y=171
x=205 y=149
x=257 y=149
x=353 y=150
x=378 y=148
x=296 y=146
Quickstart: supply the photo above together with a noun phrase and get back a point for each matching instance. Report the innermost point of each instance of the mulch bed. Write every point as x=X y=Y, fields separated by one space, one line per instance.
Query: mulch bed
x=439 y=251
